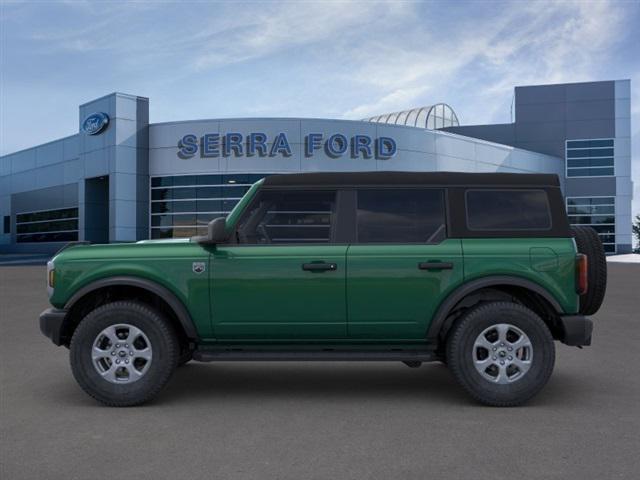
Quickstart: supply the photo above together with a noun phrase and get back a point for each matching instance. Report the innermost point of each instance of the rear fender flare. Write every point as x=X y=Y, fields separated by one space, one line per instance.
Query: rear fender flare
x=440 y=323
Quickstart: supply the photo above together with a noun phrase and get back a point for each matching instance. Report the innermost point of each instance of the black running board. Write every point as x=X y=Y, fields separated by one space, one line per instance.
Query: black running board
x=314 y=355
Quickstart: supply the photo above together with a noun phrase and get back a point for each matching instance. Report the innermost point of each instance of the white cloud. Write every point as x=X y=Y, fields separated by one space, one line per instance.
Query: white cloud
x=527 y=43
x=388 y=103
x=256 y=33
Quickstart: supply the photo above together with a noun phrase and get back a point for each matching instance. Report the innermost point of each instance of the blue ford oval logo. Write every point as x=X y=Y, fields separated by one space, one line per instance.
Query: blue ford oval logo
x=95 y=123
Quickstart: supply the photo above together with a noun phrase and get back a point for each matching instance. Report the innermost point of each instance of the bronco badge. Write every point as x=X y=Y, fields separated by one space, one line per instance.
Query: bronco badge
x=198 y=267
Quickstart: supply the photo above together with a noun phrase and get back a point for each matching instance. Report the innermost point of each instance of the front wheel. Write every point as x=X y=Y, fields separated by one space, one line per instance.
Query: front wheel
x=123 y=353
x=502 y=353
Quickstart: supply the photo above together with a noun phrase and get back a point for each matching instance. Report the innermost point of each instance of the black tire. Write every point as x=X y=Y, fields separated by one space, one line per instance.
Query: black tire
x=161 y=336
x=588 y=242
x=460 y=351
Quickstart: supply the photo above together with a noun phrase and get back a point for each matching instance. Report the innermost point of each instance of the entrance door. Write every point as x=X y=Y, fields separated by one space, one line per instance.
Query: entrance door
x=96 y=209
x=401 y=265
x=285 y=279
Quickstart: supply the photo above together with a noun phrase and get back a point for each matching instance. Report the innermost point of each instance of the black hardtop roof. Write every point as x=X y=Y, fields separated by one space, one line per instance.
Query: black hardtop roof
x=413 y=178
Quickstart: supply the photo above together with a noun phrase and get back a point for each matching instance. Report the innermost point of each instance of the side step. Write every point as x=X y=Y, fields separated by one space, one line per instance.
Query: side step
x=314 y=355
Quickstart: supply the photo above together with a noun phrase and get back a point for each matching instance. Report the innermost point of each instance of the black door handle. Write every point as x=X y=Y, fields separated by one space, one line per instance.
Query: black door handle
x=435 y=265
x=319 y=267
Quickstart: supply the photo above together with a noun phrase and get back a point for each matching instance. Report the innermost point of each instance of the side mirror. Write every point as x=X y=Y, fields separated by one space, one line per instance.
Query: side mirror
x=216 y=232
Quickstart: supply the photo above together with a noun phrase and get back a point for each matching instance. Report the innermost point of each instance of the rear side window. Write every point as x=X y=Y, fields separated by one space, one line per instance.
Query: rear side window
x=401 y=216
x=508 y=210
x=289 y=217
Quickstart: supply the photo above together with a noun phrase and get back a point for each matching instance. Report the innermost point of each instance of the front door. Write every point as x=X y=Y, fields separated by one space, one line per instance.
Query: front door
x=401 y=265
x=285 y=278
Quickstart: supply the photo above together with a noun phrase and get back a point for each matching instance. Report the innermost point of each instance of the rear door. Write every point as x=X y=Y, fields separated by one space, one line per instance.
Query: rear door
x=401 y=265
x=285 y=279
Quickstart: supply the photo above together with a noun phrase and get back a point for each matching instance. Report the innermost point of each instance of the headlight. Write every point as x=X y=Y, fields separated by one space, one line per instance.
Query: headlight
x=51 y=277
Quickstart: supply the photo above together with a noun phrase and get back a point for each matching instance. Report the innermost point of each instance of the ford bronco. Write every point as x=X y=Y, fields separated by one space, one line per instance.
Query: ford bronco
x=479 y=271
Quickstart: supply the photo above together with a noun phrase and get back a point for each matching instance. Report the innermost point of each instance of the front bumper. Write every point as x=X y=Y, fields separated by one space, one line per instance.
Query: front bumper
x=51 y=323
x=575 y=330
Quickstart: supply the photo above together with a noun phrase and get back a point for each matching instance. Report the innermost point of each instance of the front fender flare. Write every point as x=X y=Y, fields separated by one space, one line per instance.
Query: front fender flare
x=181 y=312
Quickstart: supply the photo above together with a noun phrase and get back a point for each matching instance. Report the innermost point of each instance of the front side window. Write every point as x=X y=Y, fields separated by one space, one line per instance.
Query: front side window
x=183 y=205
x=401 y=216
x=590 y=158
x=289 y=217
x=508 y=210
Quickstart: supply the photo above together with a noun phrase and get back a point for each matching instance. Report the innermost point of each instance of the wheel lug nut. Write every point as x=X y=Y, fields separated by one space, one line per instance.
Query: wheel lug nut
x=494 y=349
x=501 y=362
x=113 y=353
x=117 y=361
x=117 y=345
x=126 y=345
x=126 y=361
x=495 y=358
x=510 y=357
x=502 y=344
x=131 y=353
x=510 y=348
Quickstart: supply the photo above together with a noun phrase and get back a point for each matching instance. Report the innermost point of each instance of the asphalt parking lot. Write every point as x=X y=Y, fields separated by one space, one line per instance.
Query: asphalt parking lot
x=319 y=421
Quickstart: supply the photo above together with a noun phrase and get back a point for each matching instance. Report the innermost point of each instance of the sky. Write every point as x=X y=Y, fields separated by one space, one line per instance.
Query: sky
x=331 y=59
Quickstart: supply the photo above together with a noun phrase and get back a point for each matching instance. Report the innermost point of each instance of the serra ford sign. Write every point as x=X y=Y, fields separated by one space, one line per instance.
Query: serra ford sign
x=260 y=145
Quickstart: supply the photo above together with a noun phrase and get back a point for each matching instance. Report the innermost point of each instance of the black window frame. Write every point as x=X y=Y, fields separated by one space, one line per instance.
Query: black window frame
x=445 y=214
x=336 y=235
x=511 y=229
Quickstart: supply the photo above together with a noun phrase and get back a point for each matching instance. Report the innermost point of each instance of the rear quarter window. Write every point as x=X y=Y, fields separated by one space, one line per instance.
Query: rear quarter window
x=507 y=210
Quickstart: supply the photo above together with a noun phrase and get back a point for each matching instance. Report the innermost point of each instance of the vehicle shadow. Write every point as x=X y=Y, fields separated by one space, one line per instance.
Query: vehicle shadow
x=308 y=379
x=432 y=383
x=234 y=382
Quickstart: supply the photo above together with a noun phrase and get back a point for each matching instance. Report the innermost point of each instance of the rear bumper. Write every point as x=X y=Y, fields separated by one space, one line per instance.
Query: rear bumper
x=51 y=321
x=575 y=330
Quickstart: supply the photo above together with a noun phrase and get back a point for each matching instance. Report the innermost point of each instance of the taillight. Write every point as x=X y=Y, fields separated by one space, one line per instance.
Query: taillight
x=582 y=269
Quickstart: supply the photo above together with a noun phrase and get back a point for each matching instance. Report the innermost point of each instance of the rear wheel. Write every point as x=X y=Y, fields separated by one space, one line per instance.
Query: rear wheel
x=123 y=353
x=588 y=243
x=501 y=353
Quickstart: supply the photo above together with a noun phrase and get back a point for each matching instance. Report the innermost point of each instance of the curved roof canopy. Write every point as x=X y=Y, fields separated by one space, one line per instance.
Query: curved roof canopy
x=431 y=117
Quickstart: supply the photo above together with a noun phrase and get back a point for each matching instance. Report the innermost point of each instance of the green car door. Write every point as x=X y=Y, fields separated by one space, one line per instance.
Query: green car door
x=285 y=278
x=401 y=265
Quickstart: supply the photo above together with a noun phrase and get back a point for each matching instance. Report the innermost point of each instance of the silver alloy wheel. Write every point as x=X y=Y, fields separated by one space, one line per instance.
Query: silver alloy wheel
x=121 y=353
x=502 y=353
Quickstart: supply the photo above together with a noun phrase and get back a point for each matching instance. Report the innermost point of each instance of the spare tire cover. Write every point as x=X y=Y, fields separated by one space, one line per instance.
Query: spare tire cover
x=588 y=243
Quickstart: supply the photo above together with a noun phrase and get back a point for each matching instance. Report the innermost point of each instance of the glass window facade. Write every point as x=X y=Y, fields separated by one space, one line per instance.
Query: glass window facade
x=60 y=225
x=183 y=205
x=589 y=158
x=597 y=213
x=7 y=224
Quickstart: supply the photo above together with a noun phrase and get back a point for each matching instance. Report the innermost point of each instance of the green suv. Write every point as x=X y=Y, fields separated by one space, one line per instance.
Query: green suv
x=479 y=271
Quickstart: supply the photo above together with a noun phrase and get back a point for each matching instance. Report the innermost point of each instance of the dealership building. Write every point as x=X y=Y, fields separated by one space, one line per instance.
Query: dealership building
x=122 y=179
